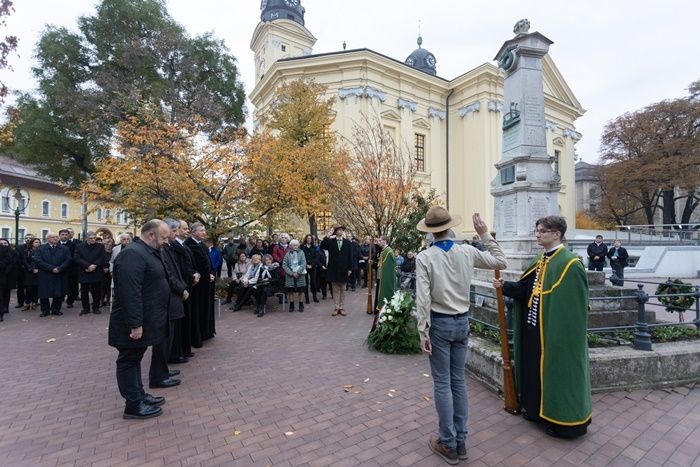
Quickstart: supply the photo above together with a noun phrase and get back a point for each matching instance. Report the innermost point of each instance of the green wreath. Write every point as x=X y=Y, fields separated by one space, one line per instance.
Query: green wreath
x=675 y=304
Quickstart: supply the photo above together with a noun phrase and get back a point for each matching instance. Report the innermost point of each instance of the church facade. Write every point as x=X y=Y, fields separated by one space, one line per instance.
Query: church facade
x=452 y=128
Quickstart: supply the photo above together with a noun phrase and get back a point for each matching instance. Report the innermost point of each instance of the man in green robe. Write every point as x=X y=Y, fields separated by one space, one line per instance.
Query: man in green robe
x=386 y=274
x=550 y=342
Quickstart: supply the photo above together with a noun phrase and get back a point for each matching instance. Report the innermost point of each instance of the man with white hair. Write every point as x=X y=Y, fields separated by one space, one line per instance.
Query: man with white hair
x=202 y=293
x=123 y=240
x=52 y=260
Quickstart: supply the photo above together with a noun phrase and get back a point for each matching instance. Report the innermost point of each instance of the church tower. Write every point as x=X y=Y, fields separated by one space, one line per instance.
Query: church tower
x=280 y=34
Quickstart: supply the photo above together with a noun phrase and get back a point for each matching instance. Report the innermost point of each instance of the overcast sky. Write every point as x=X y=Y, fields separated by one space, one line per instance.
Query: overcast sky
x=616 y=55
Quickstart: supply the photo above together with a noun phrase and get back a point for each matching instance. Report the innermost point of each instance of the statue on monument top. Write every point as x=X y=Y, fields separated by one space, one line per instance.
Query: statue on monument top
x=521 y=27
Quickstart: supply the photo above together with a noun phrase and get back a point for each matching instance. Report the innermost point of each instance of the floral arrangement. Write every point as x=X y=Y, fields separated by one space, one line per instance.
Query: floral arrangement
x=676 y=304
x=396 y=331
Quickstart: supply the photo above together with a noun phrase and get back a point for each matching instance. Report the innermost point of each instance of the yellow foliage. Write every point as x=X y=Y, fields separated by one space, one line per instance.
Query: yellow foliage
x=583 y=221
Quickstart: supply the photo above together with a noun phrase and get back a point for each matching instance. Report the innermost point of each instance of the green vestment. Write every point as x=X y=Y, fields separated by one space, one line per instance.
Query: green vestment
x=562 y=319
x=387 y=276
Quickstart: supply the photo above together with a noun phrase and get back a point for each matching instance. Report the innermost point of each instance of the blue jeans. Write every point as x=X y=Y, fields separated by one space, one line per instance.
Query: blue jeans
x=448 y=336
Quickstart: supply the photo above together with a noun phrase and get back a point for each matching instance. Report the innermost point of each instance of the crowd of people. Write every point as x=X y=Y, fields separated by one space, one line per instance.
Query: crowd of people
x=60 y=269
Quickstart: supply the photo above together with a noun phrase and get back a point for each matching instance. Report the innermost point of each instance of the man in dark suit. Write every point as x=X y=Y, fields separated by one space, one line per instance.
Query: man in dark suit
x=202 y=293
x=65 y=237
x=618 y=262
x=52 y=260
x=339 y=266
x=139 y=314
x=355 y=255
x=90 y=259
x=596 y=254
x=160 y=375
x=21 y=252
x=183 y=333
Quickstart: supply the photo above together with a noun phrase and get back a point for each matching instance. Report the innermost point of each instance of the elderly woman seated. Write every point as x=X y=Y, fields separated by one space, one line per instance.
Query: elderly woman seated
x=239 y=270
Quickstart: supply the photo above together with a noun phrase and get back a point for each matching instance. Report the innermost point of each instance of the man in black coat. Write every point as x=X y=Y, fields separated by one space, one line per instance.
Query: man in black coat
x=139 y=314
x=65 y=237
x=202 y=293
x=53 y=261
x=89 y=258
x=618 y=262
x=160 y=375
x=21 y=252
x=596 y=254
x=355 y=256
x=183 y=255
x=339 y=266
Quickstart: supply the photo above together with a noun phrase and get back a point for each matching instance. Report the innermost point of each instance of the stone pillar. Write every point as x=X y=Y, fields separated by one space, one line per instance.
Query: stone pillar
x=526 y=187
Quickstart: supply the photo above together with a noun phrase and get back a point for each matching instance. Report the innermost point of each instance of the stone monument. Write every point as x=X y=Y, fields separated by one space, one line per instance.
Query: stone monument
x=526 y=187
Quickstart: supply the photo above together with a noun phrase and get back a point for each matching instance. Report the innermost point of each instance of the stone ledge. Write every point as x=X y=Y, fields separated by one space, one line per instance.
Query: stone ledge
x=612 y=369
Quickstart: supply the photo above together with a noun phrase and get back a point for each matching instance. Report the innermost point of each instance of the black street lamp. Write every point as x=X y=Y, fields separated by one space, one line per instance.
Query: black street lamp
x=21 y=205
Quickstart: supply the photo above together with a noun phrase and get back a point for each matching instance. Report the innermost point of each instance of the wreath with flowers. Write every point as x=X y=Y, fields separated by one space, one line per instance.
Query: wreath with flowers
x=676 y=304
x=396 y=331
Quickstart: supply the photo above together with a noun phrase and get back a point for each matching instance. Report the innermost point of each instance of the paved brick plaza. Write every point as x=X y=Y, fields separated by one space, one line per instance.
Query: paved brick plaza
x=270 y=391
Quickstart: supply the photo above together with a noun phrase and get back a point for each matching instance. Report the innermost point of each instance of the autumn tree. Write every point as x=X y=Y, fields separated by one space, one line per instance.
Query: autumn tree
x=7 y=44
x=165 y=169
x=130 y=52
x=405 y=235
x=655 y=154
x=293 y=160
x=377 y=189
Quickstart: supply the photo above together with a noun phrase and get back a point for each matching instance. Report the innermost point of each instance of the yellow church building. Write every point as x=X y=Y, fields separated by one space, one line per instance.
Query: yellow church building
x=454 y=127
x=45 y=207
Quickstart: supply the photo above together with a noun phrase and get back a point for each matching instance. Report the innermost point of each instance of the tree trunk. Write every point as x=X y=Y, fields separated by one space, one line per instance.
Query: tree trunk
x=669 y=210
x=691 y=202
x=313 y=227
x=648 y=206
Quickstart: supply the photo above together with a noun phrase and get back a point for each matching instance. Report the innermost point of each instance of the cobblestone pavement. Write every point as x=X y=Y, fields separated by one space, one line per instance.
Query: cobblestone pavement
x=270 y=391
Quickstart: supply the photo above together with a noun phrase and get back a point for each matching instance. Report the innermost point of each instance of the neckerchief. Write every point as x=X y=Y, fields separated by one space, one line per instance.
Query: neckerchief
x=444 y=245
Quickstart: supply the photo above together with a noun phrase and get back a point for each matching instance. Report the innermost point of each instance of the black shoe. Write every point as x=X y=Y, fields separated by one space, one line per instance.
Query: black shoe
x=57 y=313
x=44 y=314
x=166 y=383
x=236 y=307
x=462 y=451
x=352 y=289
x=154 y=400
x=316 y=300
x=69 y=305
x=84 y=312
x=143 y=410
x=19 y=305
x=97 y=311
x=172 y=373
x=189 y=355
x=291 y=307
x=1 y=317
x=301 y=307
x=261 y=312
x=178 y=360
x=324 y=297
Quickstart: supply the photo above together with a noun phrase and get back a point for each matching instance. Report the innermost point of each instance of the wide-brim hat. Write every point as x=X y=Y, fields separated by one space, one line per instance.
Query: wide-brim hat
x=338 y=227
x=438 y=219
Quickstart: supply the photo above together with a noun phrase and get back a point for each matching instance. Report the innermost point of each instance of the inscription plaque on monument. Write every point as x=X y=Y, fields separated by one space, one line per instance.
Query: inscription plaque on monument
x=511 y=138
x=508 y=215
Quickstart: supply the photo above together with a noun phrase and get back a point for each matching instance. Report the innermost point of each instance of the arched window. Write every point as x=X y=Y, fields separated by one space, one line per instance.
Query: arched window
x=99 y=214
x=46 y=208
x=64 y=210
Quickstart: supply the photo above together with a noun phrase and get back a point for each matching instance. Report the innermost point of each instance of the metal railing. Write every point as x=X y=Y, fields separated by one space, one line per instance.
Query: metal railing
x=641 y=329
x=661 y=233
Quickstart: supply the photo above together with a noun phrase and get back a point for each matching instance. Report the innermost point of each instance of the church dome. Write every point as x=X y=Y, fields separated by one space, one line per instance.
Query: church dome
x=271 y=10
x=422 y=59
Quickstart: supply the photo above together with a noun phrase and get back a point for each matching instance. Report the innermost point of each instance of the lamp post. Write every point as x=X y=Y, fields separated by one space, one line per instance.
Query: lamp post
x=21 y=205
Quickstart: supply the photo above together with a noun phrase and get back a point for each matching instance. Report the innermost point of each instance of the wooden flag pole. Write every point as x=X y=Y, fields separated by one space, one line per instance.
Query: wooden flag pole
x=510 y=396
x=370 y=283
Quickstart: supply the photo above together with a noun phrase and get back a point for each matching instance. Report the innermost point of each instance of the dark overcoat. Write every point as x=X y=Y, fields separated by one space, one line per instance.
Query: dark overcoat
x=141 y=292
x=339 y=263
x=176 y=308
x=28 y=266
x=85 y=255
x=46 y=258
x=183 y=257
x=203 y=327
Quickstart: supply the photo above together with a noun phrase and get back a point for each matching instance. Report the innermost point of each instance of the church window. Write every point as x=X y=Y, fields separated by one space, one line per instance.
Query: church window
x=64 y=210
x=419 y=155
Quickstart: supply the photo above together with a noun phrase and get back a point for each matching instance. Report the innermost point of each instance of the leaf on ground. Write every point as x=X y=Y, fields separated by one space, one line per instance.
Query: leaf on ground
x=426 y=375
x=390 y=394
x=357 y=364
x=366 y=380
x=288 y=433
x=346 y=389
x=392 y=390
x=51 y=340
x=426 y=398
x=379 y=410
x=236 y=433
x=25 y=320
x=69 y=334
x=347 y=386
x=356 y=392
